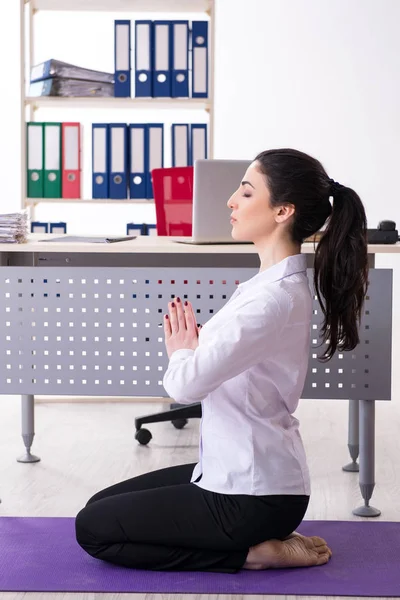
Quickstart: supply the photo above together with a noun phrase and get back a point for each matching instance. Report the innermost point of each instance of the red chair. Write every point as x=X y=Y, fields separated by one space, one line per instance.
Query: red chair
x=173 y=194
x=173 y=197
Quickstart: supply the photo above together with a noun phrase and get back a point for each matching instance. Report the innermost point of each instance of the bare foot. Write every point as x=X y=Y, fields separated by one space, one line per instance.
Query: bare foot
x=318 y=541
x=296 y=551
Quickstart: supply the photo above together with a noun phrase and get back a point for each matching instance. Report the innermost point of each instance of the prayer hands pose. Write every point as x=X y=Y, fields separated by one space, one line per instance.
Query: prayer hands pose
x=180 y=327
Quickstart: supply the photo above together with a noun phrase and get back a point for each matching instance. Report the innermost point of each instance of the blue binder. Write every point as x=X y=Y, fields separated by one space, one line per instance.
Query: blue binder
x=100 y=153
x=198 y=142
x=180 y=145
x=39 y=227
x=42 y=71
x=138 y=161
x=161 y=59
x=180 y=59
x=155 y=148
x=118 y=161
x=60 y=227
x=122 y=59
x=151 y=229
x=143 y=59
x=135 y=229
x=199 y=59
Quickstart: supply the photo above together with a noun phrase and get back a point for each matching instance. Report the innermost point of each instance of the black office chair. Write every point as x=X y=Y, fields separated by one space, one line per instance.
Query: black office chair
x=180 y=417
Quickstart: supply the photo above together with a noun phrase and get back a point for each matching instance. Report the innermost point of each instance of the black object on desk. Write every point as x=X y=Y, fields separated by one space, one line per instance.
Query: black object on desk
x=91 y=240
x=386 y=233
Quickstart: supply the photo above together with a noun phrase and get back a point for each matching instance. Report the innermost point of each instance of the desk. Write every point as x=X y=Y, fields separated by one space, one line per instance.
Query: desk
x=87 y=319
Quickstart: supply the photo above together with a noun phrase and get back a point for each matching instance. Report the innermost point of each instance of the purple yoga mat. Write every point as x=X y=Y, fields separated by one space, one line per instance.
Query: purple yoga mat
x=41 y=554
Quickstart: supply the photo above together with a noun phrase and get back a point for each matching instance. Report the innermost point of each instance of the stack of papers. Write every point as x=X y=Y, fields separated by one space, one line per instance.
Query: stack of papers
x=57 y=68
x=13 y=228
x=57 y=78
x=70 y=88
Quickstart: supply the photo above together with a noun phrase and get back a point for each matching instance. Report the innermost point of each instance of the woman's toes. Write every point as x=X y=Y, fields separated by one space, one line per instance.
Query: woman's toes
x=318 y=541
x=323 y=558
x=324 y=550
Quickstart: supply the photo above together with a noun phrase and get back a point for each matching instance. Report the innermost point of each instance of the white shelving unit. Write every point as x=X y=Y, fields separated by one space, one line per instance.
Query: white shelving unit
x=158 y=103
x=34 y=201
x=125 y=5
x=30 y=107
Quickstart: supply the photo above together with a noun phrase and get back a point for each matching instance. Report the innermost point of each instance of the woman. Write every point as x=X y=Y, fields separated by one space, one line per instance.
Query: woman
x=239 y=506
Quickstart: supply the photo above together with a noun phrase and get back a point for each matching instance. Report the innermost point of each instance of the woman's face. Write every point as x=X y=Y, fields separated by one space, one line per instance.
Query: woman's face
x=255 y=219
x=250 y=206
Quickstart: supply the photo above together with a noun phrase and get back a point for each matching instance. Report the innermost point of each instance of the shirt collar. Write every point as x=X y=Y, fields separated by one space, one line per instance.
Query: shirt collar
x=286 y=267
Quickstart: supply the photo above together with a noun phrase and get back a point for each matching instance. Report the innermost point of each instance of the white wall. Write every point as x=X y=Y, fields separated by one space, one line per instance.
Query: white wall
x=322 y=76
x=10 y=140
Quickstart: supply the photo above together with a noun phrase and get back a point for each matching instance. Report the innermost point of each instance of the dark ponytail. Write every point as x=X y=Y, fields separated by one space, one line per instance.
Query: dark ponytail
x=341 y=260
x=341 y=271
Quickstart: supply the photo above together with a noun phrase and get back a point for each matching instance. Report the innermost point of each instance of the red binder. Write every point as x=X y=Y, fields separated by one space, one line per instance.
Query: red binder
x=173 y=197
x=71 y=160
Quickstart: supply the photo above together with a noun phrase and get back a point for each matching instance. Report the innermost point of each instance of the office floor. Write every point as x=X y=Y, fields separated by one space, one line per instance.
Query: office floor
x=85 y=447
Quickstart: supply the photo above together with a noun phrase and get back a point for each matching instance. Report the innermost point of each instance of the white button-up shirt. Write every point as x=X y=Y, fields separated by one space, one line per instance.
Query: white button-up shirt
x=248 y=372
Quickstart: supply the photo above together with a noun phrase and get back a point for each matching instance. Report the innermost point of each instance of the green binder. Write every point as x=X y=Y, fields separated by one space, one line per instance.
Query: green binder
x=35 y=159
x=52 y=160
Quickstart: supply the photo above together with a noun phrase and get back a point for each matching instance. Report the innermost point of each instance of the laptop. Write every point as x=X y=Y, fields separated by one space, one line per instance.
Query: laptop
x=213 y=184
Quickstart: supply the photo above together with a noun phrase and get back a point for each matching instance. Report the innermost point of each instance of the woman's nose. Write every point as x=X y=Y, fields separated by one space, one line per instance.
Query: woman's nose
x=229 y=203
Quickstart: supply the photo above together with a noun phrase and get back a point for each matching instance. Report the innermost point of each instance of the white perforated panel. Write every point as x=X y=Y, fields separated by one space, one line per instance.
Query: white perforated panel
x=99 y=331
x=365 y=372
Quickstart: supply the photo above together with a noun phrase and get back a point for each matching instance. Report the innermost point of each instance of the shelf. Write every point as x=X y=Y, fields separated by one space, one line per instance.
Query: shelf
x=33 y=201
x=139 y=103
x=186 y=6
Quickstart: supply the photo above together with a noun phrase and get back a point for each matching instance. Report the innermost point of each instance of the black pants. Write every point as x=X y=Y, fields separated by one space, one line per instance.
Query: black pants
x=161 y=521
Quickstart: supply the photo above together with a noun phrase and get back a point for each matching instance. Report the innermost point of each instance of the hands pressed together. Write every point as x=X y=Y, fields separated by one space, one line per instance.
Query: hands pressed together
x=180 y=327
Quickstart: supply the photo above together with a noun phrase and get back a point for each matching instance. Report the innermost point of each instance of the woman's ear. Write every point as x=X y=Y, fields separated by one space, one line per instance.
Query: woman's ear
x=284 y=212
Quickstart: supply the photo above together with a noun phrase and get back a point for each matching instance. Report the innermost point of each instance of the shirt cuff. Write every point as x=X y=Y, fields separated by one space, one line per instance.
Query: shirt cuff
x=181 y=354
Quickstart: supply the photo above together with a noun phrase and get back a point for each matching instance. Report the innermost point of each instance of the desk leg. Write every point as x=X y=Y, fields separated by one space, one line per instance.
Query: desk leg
x=28 y=428
x=353 y=436
x=367 y=458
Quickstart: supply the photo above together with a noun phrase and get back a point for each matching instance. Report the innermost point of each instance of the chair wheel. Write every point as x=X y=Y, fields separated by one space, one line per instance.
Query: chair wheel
x=179 y=423
x=143 y=436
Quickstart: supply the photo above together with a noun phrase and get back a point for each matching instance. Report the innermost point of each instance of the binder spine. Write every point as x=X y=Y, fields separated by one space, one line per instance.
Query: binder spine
x=122 y=59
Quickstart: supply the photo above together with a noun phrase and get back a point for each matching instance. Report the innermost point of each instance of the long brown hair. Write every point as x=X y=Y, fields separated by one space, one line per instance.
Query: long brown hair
x=341 y=261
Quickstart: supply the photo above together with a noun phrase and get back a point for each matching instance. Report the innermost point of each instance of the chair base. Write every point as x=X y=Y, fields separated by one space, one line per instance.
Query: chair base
x=177 y=414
